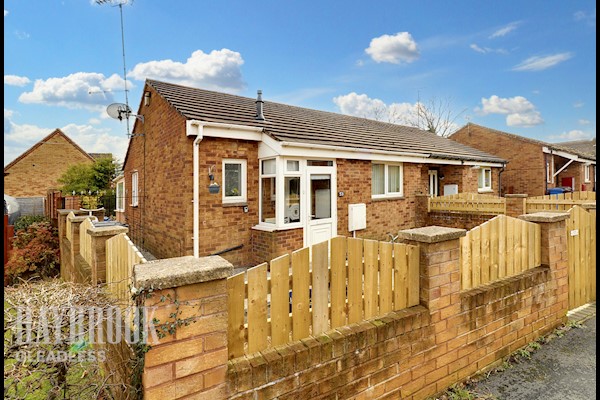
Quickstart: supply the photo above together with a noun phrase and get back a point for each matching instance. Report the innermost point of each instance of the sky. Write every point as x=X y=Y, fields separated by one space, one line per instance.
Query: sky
x=524 y=67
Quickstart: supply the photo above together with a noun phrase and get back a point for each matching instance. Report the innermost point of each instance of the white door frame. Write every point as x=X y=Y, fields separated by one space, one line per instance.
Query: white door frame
x=433 y=182
x=309 y=223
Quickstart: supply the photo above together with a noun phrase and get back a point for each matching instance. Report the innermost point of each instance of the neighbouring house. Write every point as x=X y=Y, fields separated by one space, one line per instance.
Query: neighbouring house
x=214 y=173
x=29 y=176
x=534 y=167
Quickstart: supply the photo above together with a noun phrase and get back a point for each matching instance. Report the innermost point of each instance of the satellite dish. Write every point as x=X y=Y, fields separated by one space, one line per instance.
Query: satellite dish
x=118 y=111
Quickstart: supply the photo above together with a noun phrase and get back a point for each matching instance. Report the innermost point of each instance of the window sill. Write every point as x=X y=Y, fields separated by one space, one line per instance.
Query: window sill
x=236 y=204
x=274 y=228
x=388 y=198
x=133 y=205
x=485 y=191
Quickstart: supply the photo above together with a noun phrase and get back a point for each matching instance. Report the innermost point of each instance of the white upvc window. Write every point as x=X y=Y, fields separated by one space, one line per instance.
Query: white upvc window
x=234 y=181
x=586 y=172
x=484 y=183
x=268 y=194
x=387 y=180
x=120 y=194
x=134 y=189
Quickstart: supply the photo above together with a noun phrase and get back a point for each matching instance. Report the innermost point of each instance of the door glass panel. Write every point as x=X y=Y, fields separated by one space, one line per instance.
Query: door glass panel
x=292 y=200
x=320 y=196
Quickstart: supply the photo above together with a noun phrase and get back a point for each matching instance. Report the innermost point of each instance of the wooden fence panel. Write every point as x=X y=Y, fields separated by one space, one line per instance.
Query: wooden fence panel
x=236 y=294
x=558 y=202
x=385 y=277
x=85 y=240
x=121 y=256
x=468 y=202
x=581 y=242
x=257 y=308
x=280 y=300
x=501 y=247
x=371 y=265
x=338 y=282
x=320 y=284
x=300 y=294
x=355 y=273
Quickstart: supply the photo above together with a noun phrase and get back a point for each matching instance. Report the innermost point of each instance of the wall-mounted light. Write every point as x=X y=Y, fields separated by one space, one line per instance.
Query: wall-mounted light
x=213 y=187
x=441 y=176
x=147 y=99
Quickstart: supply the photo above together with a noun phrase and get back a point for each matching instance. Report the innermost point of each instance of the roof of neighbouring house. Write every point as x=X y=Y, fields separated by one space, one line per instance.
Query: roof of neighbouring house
x=554 y=146
x=98 y=156
x=56 y=132
x=582 y=146
x=302 y=125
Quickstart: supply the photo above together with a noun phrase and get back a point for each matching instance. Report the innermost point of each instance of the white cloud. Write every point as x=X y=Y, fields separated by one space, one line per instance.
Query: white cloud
x=361 y=105
x=393 y=49
x=485 y=50
x=14 y=80
x=22 y=35
x=540 y=63
x=574 y=134
x=81 y=90
x=20 y=137
x=504 y=30
x=590 y=18
x=5 y=13
x=518 y=110
x=584 y=122
x=218 y=70
x=578 y=104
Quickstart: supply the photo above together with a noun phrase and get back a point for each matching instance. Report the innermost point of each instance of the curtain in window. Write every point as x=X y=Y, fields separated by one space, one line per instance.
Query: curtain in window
x=393 y=179
x=377 y=179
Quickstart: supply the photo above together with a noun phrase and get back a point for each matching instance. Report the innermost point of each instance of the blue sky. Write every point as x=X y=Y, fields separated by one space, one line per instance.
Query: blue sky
x=525 y=67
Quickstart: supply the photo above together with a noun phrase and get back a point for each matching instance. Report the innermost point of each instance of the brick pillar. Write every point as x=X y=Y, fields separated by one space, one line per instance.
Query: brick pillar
x=515 y=204
x=62 y=220
x=439 y=267
x=421 y=214
x=99 y=237
x=555 y=256
x=193 y=360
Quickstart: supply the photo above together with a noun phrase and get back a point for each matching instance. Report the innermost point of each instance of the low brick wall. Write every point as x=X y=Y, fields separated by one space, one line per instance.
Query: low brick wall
x=408 y=354
x=269 y=245
x=456 y=219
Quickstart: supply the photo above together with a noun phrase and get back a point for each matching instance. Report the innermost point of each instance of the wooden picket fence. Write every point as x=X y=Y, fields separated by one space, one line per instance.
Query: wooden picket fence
x=558 y=202
x=85 y=240
x=348 y=280
x=467 y=202
x=581 y=245
x=499 y=248
x=121 y=256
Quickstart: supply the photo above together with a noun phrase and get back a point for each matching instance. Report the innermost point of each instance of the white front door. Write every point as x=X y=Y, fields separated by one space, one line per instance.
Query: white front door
x=433 y=182
x=321 y=219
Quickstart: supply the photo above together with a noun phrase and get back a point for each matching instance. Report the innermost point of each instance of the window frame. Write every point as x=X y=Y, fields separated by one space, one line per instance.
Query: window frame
x=243 y=197
x=272 y=197
x=386 y=193
x=550 y=170
x=481 y=176
x=586 y=173
x=120 y=196
x=135 y=189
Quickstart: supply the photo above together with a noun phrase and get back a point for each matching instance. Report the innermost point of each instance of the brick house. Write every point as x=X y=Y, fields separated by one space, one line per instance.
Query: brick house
x=213 y=173
x=533 y=166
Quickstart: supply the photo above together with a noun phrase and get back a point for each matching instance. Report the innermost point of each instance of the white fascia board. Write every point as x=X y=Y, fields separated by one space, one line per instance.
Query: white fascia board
x=293 y=149
x=567 y=155
x=225 y=131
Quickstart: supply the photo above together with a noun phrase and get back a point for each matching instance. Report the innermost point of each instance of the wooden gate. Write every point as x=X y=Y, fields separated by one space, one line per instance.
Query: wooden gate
x=581 y=245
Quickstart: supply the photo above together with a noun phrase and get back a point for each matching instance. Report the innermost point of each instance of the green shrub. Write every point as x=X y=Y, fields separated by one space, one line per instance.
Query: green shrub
x=35 y=253
x=26 y=220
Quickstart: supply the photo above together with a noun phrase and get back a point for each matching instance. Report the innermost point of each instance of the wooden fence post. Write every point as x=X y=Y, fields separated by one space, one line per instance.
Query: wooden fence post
x=192 y=361
x=100 y=234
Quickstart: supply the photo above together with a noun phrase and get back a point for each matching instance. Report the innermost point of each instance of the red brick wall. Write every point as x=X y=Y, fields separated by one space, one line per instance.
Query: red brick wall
x=457 y=220
x=525 y=171
x=40 y=170
x=269 y=245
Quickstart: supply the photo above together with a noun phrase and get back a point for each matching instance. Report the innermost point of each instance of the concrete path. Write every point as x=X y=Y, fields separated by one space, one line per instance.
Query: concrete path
x=562 y=369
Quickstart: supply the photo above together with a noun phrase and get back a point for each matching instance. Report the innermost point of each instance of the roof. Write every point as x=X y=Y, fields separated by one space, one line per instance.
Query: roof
x=41 y=142
x=553 y=146
x=302 y=125
x=98 y=156
x=581 y=146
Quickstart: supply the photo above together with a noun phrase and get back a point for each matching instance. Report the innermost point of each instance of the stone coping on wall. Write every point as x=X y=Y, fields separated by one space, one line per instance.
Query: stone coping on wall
x=432 y=234
x=64 y=211
x=180 y=271
x=107 y=230
x=545 y=216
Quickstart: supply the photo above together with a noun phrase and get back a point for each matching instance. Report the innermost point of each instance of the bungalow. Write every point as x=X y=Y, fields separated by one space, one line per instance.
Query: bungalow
x=534 y=166
x=214 y=173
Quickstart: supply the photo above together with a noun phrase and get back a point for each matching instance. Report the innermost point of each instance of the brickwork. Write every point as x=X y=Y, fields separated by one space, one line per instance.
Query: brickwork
x=409 y=354
x=38 y=169
x=450 y=219
x=269 y=245
x=515 y=204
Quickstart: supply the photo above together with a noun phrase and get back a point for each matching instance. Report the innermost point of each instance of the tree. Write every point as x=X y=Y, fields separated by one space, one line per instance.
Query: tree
x=89 y=177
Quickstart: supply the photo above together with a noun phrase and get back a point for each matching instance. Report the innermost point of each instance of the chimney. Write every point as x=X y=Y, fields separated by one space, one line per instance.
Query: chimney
x=259 y=107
